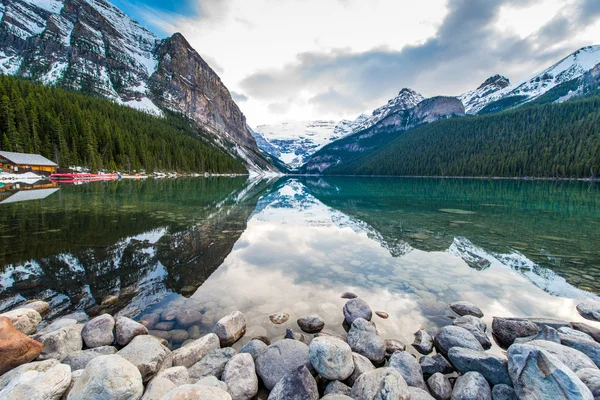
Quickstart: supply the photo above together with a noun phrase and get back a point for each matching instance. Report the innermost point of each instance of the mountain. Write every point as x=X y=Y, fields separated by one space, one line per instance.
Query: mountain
x=557 y=83
x=92 y=46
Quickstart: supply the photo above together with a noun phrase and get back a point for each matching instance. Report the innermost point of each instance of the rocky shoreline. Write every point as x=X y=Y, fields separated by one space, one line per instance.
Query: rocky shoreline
x=118 y=358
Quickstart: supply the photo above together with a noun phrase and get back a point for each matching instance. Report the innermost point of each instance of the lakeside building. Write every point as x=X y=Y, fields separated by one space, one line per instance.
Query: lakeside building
x=21 y=163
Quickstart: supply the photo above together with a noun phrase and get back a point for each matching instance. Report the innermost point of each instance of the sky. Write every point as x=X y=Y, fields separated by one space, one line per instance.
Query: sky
x=293 y=60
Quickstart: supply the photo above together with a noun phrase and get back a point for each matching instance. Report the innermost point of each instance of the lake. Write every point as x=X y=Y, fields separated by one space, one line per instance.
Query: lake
x=406 y=246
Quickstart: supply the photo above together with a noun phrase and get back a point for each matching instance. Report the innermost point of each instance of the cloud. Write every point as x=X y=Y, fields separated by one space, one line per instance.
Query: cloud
x=239 y=97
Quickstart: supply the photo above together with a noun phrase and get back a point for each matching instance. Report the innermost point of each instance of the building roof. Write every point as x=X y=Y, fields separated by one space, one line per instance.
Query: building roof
x=27 y=159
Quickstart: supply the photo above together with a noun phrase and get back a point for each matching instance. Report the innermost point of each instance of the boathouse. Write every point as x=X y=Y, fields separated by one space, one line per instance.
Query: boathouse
x=21 y=163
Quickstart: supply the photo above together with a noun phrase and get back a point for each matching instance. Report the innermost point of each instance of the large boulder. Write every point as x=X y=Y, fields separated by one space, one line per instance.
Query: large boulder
x=382 y=383
x=212 y=364
x=357 y=308
x=311 y=323
x=590 y=378
x=409 y=368
x=585 y=328
x=545 y=333
x=494 y=368
x=148 y=355
x=471 y=386
x=193 y=352
x=361 y=365
x=466 y=308
x=230 y=328
x=189 y=392
x=434 y=364
x=331 y=358
x=506 y=330
x=240 y=377
x=455 y=336
x=16 y=348
x=25 y=320
x=363 y=339
x=36 y=385
x=439 y=387
x=38 y=366
x=99 y=331
x=281 y=358
x=126 y=329
x=296 y=384
x=587 y=346
x=572 y=358
x=589 y=309
x=423 y=342
x=537 y=374
x=61 y=342
x=79 y=359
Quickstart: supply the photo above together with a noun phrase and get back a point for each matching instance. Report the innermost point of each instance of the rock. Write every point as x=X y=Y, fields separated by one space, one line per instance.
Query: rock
x=503 y=392
x=471 y=386
x=585 y=328
x=572 y=358
x=16 y=348
x=590 y=378
x=148 y=355
x=477 y=327
x=423 y=342
x=311 y=323
x=331 y=358
x=240 y=377
x=493 y=368
x=25 y=320
x=54 y=326
x=194 y=332
x=165 y=335
x=36 y=385
x=296 y=384
x=336 y=397
x=455 y=336
x=74 y=376
x=363 y=339
x=466 y=308
x=164 y=326
x=589 y=309
x=409 y=368
x=158 y=388
x=506 y=330
x=551 y=322
x=382 y=383
x=61 y=342
x=231 y=328
x=337 y=387
x=179 y=335
x=187 y=318
x=213 y=382
x=254 y=348
x=79 y=316
x=40 y=306
x=279 y=318
x=289 y=334
x=99 y=331
x=79 y=359
x=419 y=394
x=573 y=333
x=212 y=364
x=109 y=300
x=382 y=315
x=38 y=366
x=281 y=358
x=357 y=308
x=127 y=329
x=168 y=315
x=349 y=295
x=435 y=364
x=587 y=346
x=328 y=332
x=361 y=365
x=439 y=387
x=393 y=345
x=536 y=374
x=178 y=375
x=108 y=378
x=546 y=333
x=189 y=392
x=195 y=351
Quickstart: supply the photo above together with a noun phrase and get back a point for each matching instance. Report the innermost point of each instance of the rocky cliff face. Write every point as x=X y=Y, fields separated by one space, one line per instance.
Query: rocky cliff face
x=91 y=45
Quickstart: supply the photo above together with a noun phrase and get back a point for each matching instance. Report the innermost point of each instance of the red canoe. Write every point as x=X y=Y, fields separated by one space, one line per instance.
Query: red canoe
x=84 y=177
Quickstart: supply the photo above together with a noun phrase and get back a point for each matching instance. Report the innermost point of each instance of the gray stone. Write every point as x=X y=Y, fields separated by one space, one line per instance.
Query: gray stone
x=279 y=318
x=290 y=334
x=168 y=315
x=337 y=387
x=439 y=387
x=349 y=295
x=471 y=386
x=187 y=318
x=25 y=320
x=419 y=394
x=572 y=358
x=477 y=327
x=331 y=358
x=79 y=359
x=466 y=308
x=54 y=326
x=423 y=342
x=99 y=331
x=329 y=332
x=37 y=385
x=213 y=382
x=240 y=377
x=494 y=368
x=409 y=368
x=230 y=328
x=311 y=323
x=178 y=375
x=281 y=358
x=589 y=309
x=148 y=355
x=164 y=326
x=393 y=345
x=212 y=364
x=585 y=328
x=297 y=384
x=108 y=377
x=191 y=353
x=587 y=346
x=38 y=366
x=254 y=348
x=61 y=342
x=570 y=332
x=179 y=335
x=40 y=306
x=357 y=308
x=590 y=378
x=336 y=397
x=158 y=388
x=381 y=384
x=74 y=376
x=506 y=330
x=434 y=364
x=189 y=392
x=361 y=365
x=127 y=329
x=363 y=339
x=546 y=333
x=537 y=374
x=455 y=336
x=503 y=392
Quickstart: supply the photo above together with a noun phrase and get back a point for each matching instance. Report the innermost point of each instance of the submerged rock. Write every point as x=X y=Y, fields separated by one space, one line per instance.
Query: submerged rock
x=281 y=358
x=16 y=348
x=349 y=295
x=311 y=323
x=296 y=384
x=382 y=383
x=279 y=318
x=363 y=339
x=466 y=308
x=331 y=358
x=357 y=308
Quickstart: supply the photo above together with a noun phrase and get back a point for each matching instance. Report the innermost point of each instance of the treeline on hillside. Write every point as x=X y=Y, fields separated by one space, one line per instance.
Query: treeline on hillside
x=72 y=128
x=552 y=140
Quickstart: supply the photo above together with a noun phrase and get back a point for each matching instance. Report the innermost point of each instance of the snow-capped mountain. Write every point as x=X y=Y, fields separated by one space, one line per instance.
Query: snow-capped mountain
x=498 y=88
x=93 y=46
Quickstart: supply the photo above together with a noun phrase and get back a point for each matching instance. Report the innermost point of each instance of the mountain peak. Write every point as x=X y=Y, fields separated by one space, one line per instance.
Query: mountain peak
x=498 y=81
